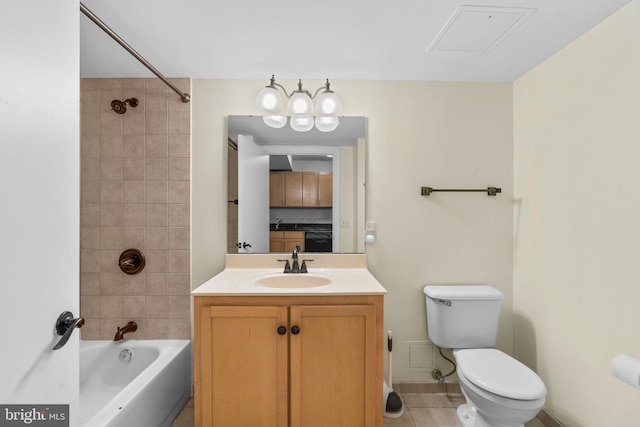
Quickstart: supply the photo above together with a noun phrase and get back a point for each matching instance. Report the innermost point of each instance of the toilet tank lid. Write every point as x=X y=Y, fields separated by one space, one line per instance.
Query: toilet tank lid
x=464 y=292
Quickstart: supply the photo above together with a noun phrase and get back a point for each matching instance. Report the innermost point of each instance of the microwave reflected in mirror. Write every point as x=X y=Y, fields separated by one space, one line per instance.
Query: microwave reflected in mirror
x=288 y=188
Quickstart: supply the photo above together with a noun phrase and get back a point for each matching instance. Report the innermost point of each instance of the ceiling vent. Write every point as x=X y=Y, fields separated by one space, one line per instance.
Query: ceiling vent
x=479 y=28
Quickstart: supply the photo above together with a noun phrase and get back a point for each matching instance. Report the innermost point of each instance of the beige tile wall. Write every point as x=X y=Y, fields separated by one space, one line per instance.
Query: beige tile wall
x=135 y=193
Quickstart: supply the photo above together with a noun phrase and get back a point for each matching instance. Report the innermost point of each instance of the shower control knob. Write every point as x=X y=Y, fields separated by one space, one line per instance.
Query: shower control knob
x=282 y=330
x=295 y=330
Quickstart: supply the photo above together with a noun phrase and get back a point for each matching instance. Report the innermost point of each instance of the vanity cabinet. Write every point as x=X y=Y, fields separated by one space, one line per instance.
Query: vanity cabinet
x=288 y=361
x=300 y=189
x=285 y=241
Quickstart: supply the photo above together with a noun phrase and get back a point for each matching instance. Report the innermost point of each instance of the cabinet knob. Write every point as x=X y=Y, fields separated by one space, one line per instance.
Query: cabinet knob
x=295 y=330
x=282 y=330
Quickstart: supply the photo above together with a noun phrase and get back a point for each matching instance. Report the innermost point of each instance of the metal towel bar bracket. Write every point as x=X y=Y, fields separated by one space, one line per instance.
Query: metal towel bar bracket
x=491 y=191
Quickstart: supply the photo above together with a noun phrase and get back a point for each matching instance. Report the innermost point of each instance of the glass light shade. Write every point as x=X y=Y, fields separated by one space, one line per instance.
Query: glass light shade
x=275 y=122
x=300 y=104
x=327 y=123
x=269 y=100
x=301 y=124
x=328 y=104
x=369 y=237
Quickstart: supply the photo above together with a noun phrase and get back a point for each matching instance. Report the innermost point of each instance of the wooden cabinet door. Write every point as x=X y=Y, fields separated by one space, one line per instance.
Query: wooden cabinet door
x=276 y=189
x=293 y=189
x=310 y=189
x=276 y=245
x=293 y=239
x=276 y=241
x=243 y=366
x=300 y=189
x=325 y=190
x=285 y=241
x=290 y=245
x=333 y=366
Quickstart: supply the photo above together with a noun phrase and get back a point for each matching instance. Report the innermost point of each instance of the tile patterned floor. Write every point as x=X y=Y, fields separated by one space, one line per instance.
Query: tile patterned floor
x=433 y=410
x=186 y=418
x=421 y=410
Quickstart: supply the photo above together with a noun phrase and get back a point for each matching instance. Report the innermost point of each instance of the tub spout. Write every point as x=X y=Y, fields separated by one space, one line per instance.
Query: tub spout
x=129 y=327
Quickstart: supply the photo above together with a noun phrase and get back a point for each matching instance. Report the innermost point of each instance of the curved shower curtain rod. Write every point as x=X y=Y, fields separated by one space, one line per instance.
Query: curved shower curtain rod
x=183 y=96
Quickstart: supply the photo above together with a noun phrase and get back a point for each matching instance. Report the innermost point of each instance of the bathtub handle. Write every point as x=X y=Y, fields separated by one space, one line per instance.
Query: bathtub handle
x=65 y=326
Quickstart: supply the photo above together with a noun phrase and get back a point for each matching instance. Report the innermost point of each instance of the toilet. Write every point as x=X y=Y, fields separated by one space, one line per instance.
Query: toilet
x=499 y=390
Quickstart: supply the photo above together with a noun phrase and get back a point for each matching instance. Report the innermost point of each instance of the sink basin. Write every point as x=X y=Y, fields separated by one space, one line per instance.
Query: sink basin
x=303 y=280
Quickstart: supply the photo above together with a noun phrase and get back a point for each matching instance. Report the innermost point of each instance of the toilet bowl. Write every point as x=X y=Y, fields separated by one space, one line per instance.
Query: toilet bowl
x=499 y=390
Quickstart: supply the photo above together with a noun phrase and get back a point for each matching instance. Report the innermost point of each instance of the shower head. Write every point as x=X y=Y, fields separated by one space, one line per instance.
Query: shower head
x=120 y=107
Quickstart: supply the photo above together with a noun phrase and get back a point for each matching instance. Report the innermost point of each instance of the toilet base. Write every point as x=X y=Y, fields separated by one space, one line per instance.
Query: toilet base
x=468 y=416
x=466 y=419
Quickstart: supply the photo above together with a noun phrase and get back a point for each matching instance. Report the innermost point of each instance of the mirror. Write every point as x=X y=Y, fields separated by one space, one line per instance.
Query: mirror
x=287 y=187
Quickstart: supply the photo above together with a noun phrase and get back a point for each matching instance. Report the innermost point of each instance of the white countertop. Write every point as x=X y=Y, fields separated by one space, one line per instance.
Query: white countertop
x=350 y=278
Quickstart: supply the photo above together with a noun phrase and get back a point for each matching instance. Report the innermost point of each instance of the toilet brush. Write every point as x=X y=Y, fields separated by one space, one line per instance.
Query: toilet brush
x=393 y=407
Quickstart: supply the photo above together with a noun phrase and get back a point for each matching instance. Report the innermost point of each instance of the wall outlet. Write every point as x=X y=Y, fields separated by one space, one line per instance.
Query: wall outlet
x=344 y=223
x=370 y=226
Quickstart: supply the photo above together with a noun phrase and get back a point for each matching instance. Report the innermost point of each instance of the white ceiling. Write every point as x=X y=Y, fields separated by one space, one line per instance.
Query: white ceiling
x=335 y=39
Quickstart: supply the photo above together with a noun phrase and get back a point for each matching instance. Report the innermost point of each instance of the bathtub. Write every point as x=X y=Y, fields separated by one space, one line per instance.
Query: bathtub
x=133 y=382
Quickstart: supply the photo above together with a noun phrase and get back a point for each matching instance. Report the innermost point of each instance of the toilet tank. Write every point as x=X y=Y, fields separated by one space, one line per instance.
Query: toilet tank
x=463 y=316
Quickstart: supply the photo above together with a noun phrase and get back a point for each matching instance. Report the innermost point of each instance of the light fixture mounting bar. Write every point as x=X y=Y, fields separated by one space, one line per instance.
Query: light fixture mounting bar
x=274 y=84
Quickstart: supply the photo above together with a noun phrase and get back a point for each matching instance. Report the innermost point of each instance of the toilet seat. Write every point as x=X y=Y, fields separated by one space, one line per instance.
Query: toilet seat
x=497 y=373
x=485 y=399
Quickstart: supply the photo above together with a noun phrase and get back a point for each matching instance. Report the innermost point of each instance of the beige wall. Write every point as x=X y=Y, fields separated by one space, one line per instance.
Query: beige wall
x=135 y=194
x=576 y=291
x=419 y=134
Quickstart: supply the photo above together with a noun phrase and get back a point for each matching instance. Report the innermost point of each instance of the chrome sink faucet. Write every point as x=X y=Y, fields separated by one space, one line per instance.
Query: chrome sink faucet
x=295 y=267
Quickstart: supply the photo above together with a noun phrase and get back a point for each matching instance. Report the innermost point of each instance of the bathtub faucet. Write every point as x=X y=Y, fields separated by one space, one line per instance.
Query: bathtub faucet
x=129 y=327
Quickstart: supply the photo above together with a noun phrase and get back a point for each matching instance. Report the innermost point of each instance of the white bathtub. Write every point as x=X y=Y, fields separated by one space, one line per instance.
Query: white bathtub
x=148 y=391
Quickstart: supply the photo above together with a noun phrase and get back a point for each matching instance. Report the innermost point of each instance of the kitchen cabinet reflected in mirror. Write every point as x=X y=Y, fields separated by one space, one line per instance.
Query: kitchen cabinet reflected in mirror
x=288 y=188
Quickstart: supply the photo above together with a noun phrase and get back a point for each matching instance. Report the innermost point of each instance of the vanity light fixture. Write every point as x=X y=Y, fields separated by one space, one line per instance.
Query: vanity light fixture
x=300 y=107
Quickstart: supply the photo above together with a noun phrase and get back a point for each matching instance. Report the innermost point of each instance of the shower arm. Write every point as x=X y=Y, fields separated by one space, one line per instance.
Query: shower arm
x=183 y=96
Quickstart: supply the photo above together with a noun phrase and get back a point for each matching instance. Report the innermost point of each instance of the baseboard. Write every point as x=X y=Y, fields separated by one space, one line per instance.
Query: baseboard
x=548 y=420
x=427 y=387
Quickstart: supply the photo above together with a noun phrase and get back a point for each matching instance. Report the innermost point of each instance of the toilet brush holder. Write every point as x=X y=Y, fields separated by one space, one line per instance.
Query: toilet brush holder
x=393 y=407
